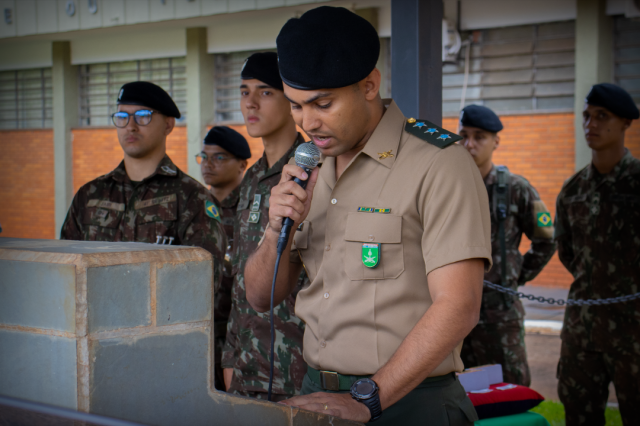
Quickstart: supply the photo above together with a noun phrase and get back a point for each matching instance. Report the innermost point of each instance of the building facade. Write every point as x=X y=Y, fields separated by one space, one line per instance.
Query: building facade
x=63 y=62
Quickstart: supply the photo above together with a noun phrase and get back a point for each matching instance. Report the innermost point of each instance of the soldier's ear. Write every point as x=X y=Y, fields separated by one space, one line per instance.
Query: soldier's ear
x=170 y=123
x=496 y=139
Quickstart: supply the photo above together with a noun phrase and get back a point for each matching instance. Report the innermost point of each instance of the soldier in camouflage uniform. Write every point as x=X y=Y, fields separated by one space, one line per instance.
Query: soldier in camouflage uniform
x=246 y=355
x=146 y=198
x=223 y=160
x=499 y=336
x=598 y=235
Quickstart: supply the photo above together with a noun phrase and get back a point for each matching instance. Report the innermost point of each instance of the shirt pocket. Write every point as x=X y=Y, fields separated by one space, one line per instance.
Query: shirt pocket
x=376 y=228
x=101 y=219
x=156 y=217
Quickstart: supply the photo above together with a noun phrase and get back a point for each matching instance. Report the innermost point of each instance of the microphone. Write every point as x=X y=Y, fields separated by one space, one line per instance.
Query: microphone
x=307 y=157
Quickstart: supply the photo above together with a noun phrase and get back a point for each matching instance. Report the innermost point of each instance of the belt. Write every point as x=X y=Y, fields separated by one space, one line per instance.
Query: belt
x=332 y=381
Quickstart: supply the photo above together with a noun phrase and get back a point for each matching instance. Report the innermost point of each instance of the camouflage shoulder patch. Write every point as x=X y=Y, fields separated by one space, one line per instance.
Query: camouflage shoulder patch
x=212 y=211
x=429 y=132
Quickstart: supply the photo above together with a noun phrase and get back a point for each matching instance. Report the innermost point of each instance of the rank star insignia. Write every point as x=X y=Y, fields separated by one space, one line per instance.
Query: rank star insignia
x=383 y=155
x=544 y=219
x=211 y=210
x=431 y=130
x=419 y=124
x=443 y=137
x=370 y=255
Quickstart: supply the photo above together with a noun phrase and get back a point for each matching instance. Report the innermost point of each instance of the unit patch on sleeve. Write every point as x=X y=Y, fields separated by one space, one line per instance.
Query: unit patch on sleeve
x=429 y=132
x=212 y=211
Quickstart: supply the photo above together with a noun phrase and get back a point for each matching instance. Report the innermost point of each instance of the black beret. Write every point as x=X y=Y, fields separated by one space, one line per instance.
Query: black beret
x=147 y=94
x=229 y=140
x=615 y=99
x=263 y=66
x=325 y=48
x=481 y=117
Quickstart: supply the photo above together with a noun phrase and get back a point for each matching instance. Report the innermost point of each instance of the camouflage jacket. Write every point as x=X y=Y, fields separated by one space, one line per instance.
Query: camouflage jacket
x=598 y=235
x=228 y=208
x=526 y=214
x=248 y=332
x=168 y=203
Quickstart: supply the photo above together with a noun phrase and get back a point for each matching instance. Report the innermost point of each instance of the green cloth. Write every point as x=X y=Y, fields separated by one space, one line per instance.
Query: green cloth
x=522 y=419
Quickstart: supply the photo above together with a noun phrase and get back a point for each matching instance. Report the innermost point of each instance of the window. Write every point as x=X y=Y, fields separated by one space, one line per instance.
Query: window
x=627 y=55
x=521 y=68
x=25 y=99
x=227 y=87
x=100 y=83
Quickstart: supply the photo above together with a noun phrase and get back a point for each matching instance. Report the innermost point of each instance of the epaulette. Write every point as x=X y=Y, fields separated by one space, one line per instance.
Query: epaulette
x=429 y=132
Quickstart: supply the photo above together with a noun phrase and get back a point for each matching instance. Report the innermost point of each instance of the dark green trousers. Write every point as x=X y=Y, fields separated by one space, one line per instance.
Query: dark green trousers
x=438 y=401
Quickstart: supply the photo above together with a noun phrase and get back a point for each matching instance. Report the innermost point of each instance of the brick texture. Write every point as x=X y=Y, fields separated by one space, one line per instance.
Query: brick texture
x=26 y=184
x=539 y=147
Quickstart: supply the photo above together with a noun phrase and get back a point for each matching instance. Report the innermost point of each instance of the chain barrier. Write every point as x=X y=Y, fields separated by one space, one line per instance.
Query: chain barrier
x=562 y=302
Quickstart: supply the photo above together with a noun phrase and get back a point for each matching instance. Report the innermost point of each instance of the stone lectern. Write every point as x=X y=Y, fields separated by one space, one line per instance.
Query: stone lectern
x=118 y=329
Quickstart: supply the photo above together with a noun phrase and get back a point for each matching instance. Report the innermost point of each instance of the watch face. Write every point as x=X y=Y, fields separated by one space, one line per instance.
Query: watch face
x=364 y=388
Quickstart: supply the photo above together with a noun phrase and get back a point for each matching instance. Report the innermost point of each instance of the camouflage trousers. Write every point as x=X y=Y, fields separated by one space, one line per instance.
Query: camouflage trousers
x=583 y=383
x=499 y=343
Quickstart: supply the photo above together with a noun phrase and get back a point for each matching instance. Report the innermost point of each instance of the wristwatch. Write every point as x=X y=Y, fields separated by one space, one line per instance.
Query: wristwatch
x=366 y=391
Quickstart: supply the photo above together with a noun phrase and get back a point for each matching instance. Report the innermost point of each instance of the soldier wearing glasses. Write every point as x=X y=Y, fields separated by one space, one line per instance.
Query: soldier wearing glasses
x=223 y=161
x=146 y=198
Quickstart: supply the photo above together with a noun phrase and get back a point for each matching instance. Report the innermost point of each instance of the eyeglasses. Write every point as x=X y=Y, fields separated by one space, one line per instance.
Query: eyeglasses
x=216 y=160
x=141 y=117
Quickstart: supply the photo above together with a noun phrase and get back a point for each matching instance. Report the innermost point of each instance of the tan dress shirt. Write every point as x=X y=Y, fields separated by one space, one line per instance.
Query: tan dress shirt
x=357 y=316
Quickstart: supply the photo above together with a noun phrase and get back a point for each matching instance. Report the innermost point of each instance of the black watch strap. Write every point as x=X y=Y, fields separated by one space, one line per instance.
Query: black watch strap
x=373 y=404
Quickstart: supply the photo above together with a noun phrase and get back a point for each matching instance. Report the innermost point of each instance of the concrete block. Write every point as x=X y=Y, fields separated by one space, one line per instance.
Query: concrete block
x=118 y=297
x=44 y=296
x=141 y=348
x=184 y=292
x=38 y=367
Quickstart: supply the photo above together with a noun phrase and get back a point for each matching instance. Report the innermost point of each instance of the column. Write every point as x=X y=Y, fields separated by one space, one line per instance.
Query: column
x=200 y=106
x=594 y=63
x=65 y=115
x=416 y=58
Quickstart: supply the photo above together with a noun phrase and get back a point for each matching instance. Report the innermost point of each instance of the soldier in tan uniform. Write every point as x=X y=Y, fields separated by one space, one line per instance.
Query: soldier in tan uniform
x=223 y=160
x=394 y=234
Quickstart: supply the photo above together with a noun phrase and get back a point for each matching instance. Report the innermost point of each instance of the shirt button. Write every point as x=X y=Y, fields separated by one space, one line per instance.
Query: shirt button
x=372 y=238
x=323 y=344
x=334 y=201
x=326 y=295
x=327 y=247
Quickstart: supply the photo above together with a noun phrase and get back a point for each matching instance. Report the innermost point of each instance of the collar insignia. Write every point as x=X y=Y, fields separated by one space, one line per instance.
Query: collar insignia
x=383 y=155
x=168 y=170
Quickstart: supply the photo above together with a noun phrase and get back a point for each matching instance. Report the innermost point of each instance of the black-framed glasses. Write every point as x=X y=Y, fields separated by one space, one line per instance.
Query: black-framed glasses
x=141 y=117
x=216 y=159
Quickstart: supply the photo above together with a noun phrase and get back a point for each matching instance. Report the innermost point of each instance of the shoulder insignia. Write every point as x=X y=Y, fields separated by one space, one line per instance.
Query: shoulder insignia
x=429 y=132
x=212 y=211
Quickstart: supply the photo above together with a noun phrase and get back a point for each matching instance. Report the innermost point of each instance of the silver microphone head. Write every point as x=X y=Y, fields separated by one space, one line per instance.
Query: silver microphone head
x=307 y=156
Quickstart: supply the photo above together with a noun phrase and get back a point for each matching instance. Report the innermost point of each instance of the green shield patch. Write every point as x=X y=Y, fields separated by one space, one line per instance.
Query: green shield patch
x=544 y=219
x=370 y=255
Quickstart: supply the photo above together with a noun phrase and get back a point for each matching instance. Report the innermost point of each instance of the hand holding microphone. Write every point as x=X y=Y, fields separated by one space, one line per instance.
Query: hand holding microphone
x=289 y=196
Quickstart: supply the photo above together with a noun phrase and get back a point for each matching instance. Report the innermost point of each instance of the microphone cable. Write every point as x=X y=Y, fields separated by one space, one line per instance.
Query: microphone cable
x=273 y=330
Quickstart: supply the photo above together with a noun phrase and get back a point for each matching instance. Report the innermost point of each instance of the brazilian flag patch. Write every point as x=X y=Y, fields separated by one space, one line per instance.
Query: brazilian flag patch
x=212 y=210
x=544 y=219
